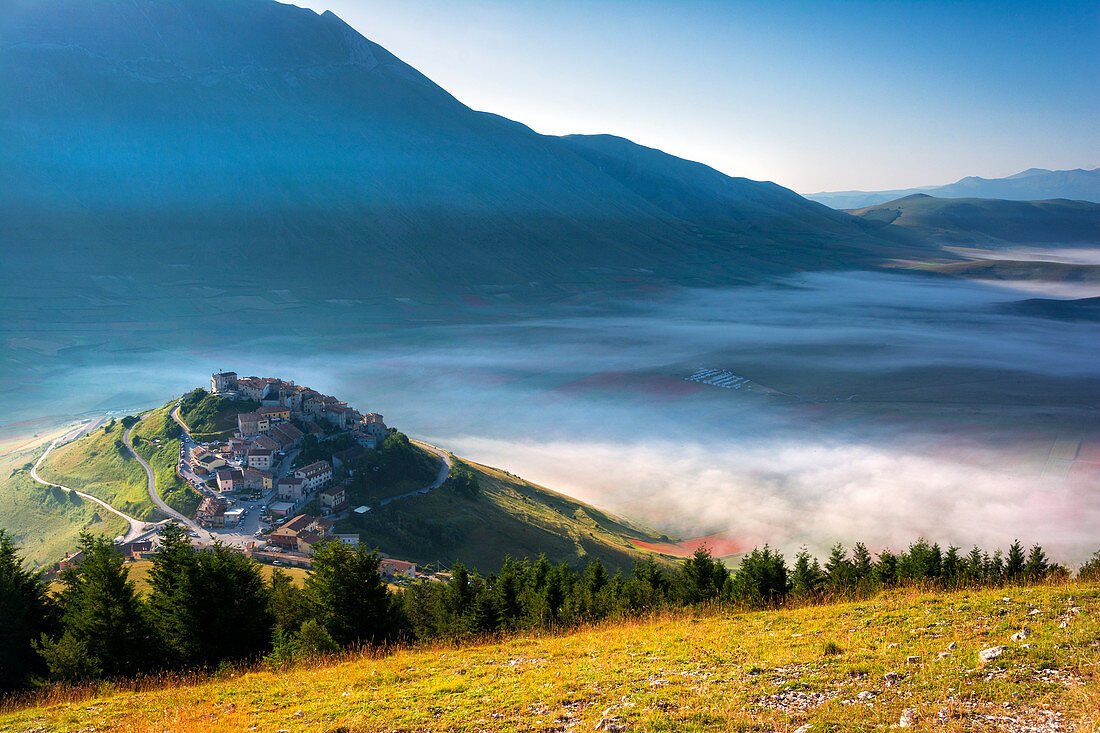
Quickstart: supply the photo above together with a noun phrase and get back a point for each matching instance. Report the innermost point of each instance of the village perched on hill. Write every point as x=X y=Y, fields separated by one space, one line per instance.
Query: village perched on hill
x=274 y=483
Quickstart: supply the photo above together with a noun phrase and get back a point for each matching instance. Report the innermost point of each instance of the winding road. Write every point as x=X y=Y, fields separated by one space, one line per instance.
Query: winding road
x=137 y=526
x=152 y=485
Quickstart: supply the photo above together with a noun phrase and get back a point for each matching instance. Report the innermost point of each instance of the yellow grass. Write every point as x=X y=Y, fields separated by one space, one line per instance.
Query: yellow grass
x=715 y=671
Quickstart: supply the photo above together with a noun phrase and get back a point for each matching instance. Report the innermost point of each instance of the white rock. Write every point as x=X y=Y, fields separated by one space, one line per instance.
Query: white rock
x=987 y=655
x=804 y=729
x=908 y=717
x=1021 y=635
x=952 y=647
x=912 y=660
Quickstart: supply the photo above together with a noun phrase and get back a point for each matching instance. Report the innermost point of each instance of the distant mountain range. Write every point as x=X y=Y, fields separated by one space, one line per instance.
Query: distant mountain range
x=989 y=222
x=1034 y=184
x=222 y=141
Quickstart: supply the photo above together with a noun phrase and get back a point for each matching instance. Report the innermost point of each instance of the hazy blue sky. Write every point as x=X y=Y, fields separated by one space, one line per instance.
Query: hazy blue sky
x=813 y=95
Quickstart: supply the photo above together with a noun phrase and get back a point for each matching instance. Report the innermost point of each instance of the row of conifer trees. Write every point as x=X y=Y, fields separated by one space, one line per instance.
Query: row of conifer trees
x=210 y=608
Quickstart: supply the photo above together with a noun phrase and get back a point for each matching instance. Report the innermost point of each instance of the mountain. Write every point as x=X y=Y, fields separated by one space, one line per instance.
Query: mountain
x=1034 y=184
x=989 y=222
x=249 y=142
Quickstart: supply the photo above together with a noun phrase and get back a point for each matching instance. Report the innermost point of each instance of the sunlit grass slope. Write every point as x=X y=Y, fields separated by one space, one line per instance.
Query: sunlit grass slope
x=509 y=517
x=99 y=464
x=842 y=667
x=42 y=521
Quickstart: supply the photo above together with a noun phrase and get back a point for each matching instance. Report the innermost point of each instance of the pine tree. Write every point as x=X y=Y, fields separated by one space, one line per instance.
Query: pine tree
x=701 y=577
x=593 y=603
x=346 y=594
x=762 y=578
x=1090 y=571
x=26 y=613
x=975 y=565
x=995 y=568
x=1037 y=565
x=838 y=570
x=104 y=629
x=508 y=586
x=806 y=576
x=648 y=587
x=1014 y=563
x=952 y=570
x=207 y=606
x=886 y=569
x=861 y=563
x=286 y=601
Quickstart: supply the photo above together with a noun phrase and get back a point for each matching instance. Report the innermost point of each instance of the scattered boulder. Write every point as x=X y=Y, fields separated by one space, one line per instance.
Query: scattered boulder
x=892 y=678
x=945 y=655
x=804 y=729
x=865 y=695
x=988 y=655
x=908 y=717
x=912 y=660
x=1021 y=634
x=952 y=647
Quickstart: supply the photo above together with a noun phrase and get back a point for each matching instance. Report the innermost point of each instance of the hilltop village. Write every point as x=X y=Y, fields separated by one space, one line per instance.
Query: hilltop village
x=261 y=492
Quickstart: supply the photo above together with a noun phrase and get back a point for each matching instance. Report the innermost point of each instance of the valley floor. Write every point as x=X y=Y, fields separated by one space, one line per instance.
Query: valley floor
x=874 y=664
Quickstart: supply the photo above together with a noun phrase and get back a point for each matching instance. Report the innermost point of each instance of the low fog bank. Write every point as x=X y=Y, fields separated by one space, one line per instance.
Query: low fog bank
x=816 y=492
x=591 y=401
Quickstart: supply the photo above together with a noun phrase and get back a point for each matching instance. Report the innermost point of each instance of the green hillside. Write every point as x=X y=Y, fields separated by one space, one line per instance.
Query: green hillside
x=156 y=439
x=507 y=517
x=44 y=521
x=498 y=516
x=99 y=464
x=907 y=658
x=989 y=222
x=209 y=416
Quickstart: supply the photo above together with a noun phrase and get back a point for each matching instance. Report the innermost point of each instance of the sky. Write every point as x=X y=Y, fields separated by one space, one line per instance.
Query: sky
x=816 y=96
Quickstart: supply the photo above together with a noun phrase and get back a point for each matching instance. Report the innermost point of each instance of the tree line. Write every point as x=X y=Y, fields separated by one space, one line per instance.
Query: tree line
x=204 y=609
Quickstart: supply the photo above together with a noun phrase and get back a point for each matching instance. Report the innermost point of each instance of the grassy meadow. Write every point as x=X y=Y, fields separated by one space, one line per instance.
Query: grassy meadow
x=99 y=464
x=43 y=521
x=510 y=516
x=906 y=656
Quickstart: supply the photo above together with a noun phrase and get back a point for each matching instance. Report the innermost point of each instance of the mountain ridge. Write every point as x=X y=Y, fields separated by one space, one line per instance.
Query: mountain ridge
x=263 y=130
x=989 y=222
x=1077 y=184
